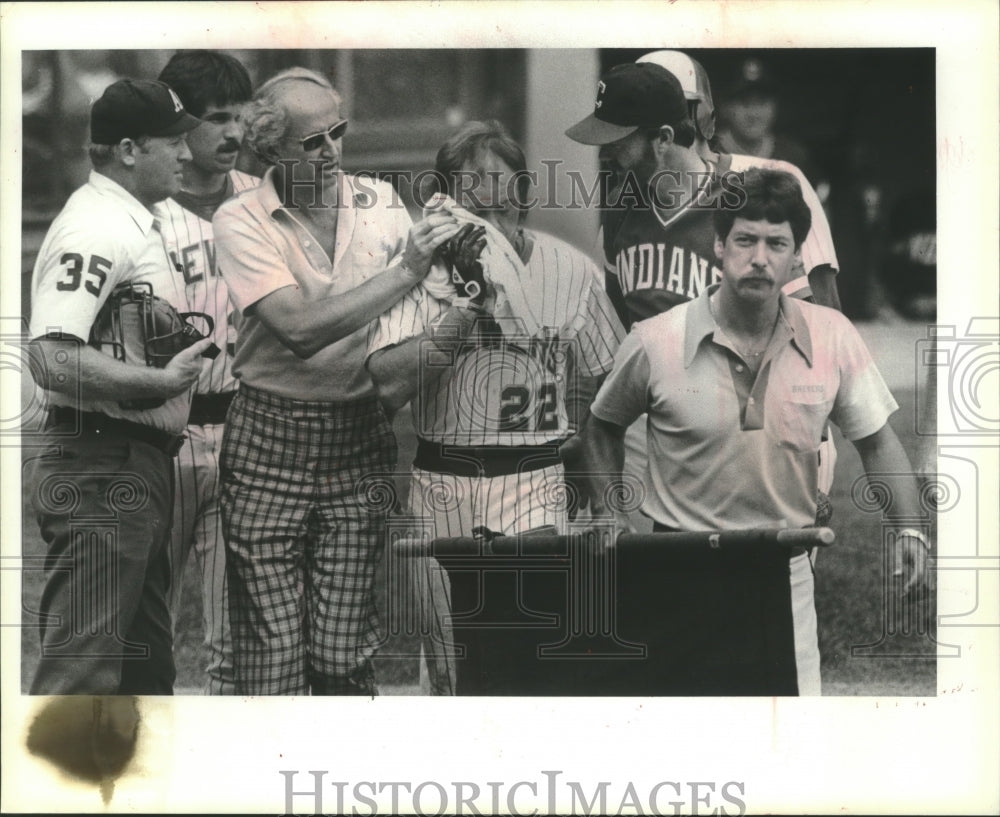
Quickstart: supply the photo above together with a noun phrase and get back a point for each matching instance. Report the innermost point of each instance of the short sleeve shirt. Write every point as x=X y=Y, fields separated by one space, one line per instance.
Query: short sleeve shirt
x=102 y=238
x=511 y=390
x=262 y=248
x=728 y=450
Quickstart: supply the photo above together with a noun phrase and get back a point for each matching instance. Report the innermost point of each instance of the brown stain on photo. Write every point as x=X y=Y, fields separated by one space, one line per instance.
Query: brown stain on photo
x=90 y=738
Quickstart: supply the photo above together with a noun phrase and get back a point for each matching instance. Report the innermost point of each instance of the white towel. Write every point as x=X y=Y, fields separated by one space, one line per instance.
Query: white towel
x=502 y=269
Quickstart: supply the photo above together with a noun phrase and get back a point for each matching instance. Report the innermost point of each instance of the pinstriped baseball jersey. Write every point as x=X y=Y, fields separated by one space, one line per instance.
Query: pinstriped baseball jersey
x=187 y=233
x=506 y=390
x=657 y=259
x=186 y=225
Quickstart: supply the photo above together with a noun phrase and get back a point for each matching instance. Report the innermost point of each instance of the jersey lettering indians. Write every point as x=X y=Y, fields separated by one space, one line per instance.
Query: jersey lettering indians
x=656 y=259
x=656 y=266
x=186 y=224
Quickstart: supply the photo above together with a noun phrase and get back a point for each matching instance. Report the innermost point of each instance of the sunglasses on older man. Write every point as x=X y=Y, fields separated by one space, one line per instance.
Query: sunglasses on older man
x=315 y=140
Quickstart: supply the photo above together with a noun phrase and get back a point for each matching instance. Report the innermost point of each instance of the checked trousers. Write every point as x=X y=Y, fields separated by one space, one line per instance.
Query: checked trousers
x=302 y=543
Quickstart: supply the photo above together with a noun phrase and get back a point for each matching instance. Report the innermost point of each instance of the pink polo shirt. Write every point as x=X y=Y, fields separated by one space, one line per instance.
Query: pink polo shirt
x=261 y=248
x=728 y=450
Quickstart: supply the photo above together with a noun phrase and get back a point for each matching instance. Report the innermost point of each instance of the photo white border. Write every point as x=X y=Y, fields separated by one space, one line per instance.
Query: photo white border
x=851 y=755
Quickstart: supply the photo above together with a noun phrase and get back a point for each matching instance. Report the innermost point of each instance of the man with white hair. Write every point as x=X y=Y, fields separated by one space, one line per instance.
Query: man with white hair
x=310 y=259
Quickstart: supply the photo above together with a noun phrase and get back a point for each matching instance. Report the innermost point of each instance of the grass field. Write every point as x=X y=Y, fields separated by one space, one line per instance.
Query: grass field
x=850 y=600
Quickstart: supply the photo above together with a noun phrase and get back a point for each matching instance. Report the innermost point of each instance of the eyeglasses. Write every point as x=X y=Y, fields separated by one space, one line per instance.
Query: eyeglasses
x=315 y=140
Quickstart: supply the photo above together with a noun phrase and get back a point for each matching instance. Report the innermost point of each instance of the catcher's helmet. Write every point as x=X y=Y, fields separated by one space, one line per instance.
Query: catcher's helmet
x=139 y=326
x=694 y=82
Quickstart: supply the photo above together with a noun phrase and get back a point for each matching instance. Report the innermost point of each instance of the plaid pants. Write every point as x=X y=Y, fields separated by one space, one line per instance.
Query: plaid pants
x=301 y=544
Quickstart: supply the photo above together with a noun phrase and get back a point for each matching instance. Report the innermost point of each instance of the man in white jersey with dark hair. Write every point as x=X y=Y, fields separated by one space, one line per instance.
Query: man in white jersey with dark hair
x=117 y=406
x=214 y=87
x=487 y=368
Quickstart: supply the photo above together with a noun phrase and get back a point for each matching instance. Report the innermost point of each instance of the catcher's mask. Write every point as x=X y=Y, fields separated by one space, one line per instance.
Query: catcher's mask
x=139 y=326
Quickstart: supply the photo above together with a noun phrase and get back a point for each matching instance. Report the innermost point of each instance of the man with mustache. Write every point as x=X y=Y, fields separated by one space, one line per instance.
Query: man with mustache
x=653 y=122
x=739 y=384
x=815 y=276
x=215 y=87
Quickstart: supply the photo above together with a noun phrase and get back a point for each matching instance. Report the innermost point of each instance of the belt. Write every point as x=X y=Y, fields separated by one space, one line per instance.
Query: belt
x=484 y=460
x=210 y=409
x=95 y=423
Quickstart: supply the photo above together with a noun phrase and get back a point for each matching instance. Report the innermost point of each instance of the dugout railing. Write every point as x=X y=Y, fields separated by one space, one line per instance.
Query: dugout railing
x=642 y=614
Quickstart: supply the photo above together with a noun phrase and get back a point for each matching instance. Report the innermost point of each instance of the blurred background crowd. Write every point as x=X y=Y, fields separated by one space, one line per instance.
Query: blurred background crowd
x=859 y=122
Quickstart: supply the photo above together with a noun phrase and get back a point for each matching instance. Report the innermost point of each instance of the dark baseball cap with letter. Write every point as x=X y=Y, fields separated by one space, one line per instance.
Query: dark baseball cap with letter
x=631 y=96
x=131 y=108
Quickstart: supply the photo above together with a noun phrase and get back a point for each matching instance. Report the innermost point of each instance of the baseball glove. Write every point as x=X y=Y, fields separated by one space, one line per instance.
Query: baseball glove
x=461 y=256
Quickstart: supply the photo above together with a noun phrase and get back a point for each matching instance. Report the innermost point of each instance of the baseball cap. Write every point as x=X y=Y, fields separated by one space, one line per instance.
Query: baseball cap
x=131 y=108
x=752 y=80
x=631 y=96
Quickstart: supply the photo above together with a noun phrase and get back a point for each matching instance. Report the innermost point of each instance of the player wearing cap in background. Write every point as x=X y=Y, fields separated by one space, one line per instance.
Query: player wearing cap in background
x=488 y=383
x=739 y=384
x=214 y=87
x=310 y=259
x=749 y=112
x=663 y=184
x=114 y=424
x=815 y=274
